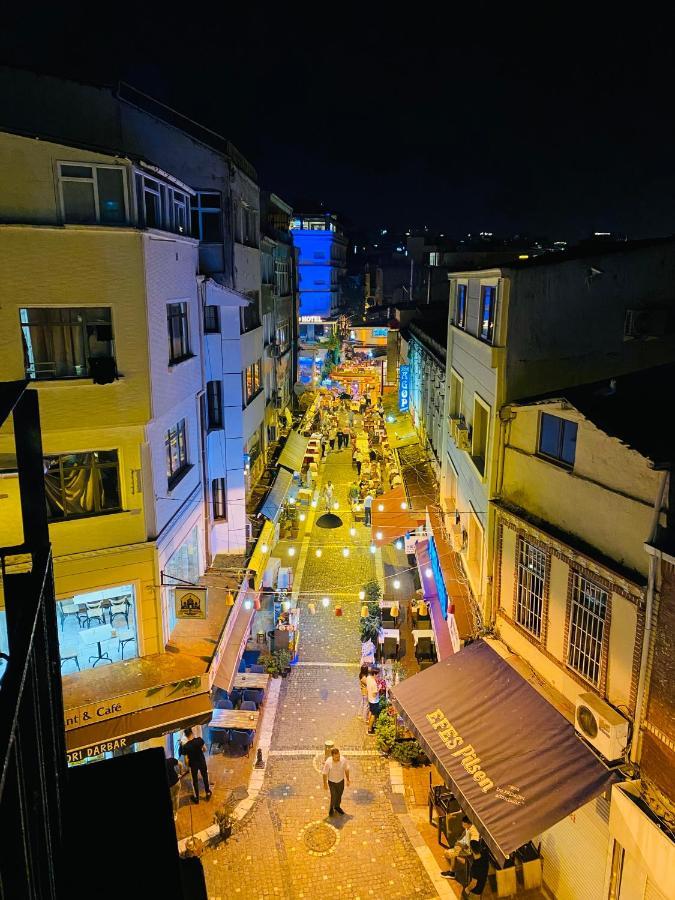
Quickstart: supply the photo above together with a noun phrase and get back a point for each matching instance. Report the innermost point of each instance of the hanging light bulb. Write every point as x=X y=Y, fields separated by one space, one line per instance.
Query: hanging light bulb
x=380 y=507
x=302 y=517
x=397 y=584
x=378 y=535
x=314 y=504
x=336 y=505
x=247 y=604
x=264 y=548
x=345 y=552
x=287 y=604
x=362 y=595
x=229 y=599
x=364 y=611
x=352 y=532
x=373 y=548
x=404 y=505
x=291 y=551
x=325 y=601
x=318 y=553
x=399 y=545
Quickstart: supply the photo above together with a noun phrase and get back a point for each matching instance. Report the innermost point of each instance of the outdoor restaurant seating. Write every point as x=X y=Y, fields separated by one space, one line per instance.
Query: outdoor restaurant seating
x=390 y=648
x=240 y=738
x=424 y=649
x=248 y=705
x=224 y=703
x=218 y=736
x=387 y=620
x=220 y=694
x=257 y=695
x=124 y=638
x=235 y=697
x=258 y=670
x=119 y=606
x=95 y=611
x=70 y=653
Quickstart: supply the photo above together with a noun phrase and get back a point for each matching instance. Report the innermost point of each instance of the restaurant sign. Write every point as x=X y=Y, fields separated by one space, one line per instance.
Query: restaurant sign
x=190 y=602
x=404 y=388
x=98 y=749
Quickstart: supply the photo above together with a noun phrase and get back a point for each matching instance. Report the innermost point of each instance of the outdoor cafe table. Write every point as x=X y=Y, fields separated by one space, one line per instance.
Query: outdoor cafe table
x=235 y=718
x=422 y=633
x=97 y=636
x=388 y=633
x=252 y=680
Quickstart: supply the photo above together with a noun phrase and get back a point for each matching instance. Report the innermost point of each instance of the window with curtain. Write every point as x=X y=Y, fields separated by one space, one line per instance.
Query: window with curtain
x=175 y=445
x=61 y=342
x=488 y=311
x=82 y=484
x=252 y=381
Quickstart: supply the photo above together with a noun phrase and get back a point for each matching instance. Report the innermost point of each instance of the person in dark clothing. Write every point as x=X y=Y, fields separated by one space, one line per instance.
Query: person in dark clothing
x=193 y=750
x=174 y=771
x=478 y=871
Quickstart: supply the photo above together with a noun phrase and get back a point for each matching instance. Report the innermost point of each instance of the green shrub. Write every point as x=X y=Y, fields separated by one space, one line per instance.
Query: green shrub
x=373 y=592
x=408 y=753
x=369 y=629
x=385 y=732
x=270 y=662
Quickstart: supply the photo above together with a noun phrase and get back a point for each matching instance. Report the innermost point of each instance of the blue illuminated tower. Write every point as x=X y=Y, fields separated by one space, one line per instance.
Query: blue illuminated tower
x=322 y=261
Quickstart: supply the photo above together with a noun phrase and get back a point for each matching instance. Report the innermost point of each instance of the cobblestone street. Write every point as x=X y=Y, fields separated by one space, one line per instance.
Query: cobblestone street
x=287 y=847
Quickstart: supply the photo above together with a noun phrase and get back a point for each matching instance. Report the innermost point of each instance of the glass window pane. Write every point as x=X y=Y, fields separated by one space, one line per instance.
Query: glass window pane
x=549 y=438
x=111 y=196
x=569 y=442
x=109 y=487
x=78 y=202
x=211 y=228
x=153 y=214
x=76 y=171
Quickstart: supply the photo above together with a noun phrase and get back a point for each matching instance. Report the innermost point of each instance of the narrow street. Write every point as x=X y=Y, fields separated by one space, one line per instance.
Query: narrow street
x=303 y=853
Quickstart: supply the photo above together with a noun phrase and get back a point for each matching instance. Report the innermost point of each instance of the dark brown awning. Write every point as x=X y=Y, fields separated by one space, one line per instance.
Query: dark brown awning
x=512 y=760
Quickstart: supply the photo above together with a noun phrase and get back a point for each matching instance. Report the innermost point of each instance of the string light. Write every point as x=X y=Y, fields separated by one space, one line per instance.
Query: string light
x=397 y=584
x=352 y=532
x=247 y=604
x=313 y=504
x=362 y=595
x=336 y=505
x=302 y=517
x=428 y=573
x=264 y=548
x=291 y=551
x=380 y=507
x=378 y=535
x=373 y=548
x=325 y=601
x=318 y=553
x=404 y=505
x=345 y=552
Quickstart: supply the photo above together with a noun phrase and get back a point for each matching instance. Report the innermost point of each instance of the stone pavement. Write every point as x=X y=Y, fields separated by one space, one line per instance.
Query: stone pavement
x=287 y=847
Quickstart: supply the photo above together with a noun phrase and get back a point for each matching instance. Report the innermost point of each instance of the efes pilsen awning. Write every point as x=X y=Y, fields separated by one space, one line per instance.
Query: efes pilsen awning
x=513 y=761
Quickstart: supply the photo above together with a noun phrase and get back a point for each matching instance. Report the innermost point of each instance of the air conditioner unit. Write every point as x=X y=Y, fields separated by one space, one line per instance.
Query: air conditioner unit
x=645 y=323
x=457 y=537
x=463 y=439
x=600 y=725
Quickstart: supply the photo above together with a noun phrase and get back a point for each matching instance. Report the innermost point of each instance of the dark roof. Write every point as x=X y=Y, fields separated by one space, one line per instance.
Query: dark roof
x=632 y=408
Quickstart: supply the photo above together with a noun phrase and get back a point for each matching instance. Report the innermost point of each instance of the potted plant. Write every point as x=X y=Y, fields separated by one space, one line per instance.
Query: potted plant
x=193 y=847
x=373 y=593
x=385 y=732
x=408 y=753
x=270 y=662
x=283 y=662
x=369 y=629
x=223 y=819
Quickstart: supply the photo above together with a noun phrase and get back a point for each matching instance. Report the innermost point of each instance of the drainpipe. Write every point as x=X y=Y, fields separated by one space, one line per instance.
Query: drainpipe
x=646 y=641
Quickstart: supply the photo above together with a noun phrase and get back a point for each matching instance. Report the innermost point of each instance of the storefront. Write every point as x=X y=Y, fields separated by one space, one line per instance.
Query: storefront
x=98 y=628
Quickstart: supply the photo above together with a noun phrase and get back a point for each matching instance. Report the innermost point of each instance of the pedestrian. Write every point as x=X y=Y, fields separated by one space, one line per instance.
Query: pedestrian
x=363 y=675
x=479 y=864
x=335 y=773
x=174 y=772
x=373 y=699
x=462 y=849
x=368 y=508
x=358 y=457
x=350 y=418
x=332 y=435
x=328 y=496
x=193 y=750
x=340 y=438
x=353 y=493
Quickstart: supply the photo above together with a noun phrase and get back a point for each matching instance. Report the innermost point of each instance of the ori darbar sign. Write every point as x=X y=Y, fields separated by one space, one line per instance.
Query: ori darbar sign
x=404 y=388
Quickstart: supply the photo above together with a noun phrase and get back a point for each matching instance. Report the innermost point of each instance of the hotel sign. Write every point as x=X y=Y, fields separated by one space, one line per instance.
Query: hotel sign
x=404 y=388
x=190 y=602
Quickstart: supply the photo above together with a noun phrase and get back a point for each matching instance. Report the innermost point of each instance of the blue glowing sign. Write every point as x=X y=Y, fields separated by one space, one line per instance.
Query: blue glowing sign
x=380 y=332
x=438 y=577
x=404 y=388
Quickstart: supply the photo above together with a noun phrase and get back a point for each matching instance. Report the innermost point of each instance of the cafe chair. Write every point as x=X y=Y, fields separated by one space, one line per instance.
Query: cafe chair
x=235 y=697
x=70 y=653
x=219 y=694
x=242 y=666
x=255 y=694
x=390 y=648
x=258 y=670
x=224 y=704
x=124 y=638
x=67 y=609
x=95 y=611
x=248 y=705
x=387 y=621
x=424 y=650
x=119 y=606
x=241 y=739
x=218 y=736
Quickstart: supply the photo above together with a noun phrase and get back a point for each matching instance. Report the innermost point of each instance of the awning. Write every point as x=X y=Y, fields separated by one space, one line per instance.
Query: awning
x=237 y=638
x=444 y=644
x=294 y=452
x=139 y=726
x=392 y=516
x=277 y=494
x=513 y=761
x=288 y=417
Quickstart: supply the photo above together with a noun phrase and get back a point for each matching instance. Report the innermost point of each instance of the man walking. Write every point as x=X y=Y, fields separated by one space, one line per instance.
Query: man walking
x=368 y=508
x=373 y=700
x=335 y=772
x=193 y=750
x=328 y=496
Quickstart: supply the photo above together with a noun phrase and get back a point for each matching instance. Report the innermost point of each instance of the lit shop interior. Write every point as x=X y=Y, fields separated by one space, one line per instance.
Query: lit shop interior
x=97 y=628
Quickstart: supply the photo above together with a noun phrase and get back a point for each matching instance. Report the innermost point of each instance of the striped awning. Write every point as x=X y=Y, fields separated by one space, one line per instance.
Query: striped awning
x=294 y=452
x=277 y=495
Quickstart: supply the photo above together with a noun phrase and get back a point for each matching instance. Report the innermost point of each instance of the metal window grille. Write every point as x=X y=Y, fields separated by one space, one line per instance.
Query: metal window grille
x=587 y=628
x=530 y=595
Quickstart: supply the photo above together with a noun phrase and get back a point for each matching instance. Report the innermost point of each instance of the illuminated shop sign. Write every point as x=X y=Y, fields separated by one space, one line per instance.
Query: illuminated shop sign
x=404 y=388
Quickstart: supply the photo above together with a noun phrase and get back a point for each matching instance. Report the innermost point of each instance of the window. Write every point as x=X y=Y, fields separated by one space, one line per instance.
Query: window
x=175 y=445
x=587 y=628
x=179 y=343
x=207 y=217
x=214 y=404
x=267 y=268
x=252 y=381
x=456 y=390
x=211 y=320
x=488 y=298
x=557 y=438
x=249 y=225
x=161 y=206
x=282 y=277
x=530 y=587
x=283 y=336
x=93 y=195
x=460 y=307
x=479 y=433
x=249 y=316
x=66 y=342
x=219 y=498
x=474 y=554
x=82 y=484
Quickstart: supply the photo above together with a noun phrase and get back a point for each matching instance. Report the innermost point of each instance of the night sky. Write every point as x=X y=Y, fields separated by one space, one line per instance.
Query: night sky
x=554 y=122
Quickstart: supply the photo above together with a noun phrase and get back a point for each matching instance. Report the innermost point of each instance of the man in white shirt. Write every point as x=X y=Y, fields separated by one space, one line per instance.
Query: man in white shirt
x=335 y=772
x=373 y=700
x=463 y=846
x=368 y=508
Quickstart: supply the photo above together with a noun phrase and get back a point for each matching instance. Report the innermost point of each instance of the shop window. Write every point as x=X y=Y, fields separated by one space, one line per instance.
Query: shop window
x=175 y=445
x=97 y=628
x=530 y=589
x=557 y=439
x=82 y=484
x=66 y=342
x=179 y=332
